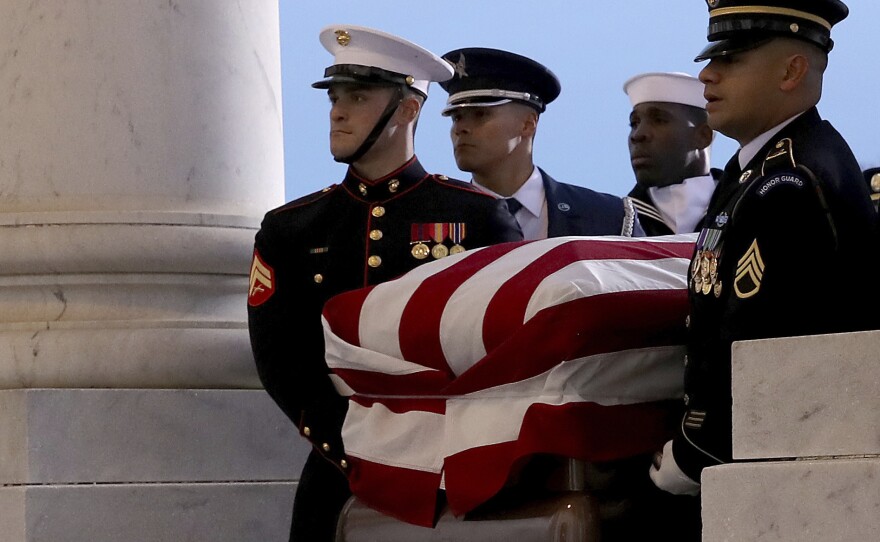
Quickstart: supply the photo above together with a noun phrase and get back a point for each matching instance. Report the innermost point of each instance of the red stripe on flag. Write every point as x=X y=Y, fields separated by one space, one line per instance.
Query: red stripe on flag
x=420 y=321
x=373 y=383
x=343 y=314
x=400 y=406
x=406 y=494
x=602 y=434
x=576 y=329
x=506 y=311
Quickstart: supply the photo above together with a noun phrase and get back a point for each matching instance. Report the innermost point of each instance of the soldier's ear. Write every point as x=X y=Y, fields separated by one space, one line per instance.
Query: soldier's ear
x=530 y=122
x=409 y=108
x=796 y=69
x=703 y=135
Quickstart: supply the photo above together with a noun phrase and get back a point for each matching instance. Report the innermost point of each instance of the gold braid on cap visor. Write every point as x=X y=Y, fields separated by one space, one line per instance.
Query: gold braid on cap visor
x=763 y=10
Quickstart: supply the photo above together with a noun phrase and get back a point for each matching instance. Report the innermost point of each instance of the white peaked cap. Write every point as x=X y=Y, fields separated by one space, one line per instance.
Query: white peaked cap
x=672 y=87
x=361 y=46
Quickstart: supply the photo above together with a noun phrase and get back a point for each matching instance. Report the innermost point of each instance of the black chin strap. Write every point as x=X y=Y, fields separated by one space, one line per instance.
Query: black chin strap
x=392 y=106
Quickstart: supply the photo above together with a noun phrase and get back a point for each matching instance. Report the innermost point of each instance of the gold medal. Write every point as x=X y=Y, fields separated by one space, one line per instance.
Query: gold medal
x=456 y=249
x=698 y=284
x=707 y=288
x=718 y=289
x=439 y=251
x=420 y=251
x=695 y=265
x=704 y=265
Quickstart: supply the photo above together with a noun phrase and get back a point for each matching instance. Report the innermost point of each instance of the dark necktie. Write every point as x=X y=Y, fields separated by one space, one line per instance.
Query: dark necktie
x=514 y=205
x=732 y=171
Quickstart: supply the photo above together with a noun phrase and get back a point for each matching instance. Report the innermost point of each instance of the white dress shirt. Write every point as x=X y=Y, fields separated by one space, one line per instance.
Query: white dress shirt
x=532 y=218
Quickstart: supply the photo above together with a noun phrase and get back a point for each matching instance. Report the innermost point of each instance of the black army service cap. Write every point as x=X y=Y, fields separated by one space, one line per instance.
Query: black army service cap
x=488 y=77
x=740 y=25
x=369 y=56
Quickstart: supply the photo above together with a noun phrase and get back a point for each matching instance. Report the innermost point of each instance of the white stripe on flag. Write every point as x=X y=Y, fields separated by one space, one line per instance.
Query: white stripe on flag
x=389 y=299
x=411 y=440
x=461 y=325
x=420 y=440
x=586 y=278
x=343 y=355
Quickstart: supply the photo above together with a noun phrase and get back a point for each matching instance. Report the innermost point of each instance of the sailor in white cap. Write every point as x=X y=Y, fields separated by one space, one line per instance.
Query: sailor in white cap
x=669 y=144
x=387 y=216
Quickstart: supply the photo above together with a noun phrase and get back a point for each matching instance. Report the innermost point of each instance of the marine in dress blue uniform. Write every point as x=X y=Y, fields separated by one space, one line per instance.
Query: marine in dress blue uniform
x=788 y=228
x=487 y=80
x=359 y=232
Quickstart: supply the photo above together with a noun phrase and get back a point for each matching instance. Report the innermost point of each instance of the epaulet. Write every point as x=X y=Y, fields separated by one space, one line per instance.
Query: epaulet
x=307 y=199
x=455 y=183
x=780 y=158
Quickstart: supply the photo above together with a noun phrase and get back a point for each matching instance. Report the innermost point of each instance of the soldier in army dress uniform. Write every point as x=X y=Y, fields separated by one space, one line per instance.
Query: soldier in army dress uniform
x=669 y=148
x=790 y=229
x=387 y=216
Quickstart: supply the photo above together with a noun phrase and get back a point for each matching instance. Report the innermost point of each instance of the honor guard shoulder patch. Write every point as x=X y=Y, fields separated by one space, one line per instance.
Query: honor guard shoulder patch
x=782 y=179
x=262 y=282
x=749 y=272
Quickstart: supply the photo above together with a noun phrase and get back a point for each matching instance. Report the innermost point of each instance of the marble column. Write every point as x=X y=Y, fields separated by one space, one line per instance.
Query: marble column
x=141 y=144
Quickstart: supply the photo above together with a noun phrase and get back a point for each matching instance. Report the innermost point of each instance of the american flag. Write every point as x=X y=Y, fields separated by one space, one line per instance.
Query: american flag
x=464 y=366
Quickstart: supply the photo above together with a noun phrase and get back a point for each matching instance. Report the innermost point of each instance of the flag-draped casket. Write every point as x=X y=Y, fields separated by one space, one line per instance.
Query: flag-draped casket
x=464 y=366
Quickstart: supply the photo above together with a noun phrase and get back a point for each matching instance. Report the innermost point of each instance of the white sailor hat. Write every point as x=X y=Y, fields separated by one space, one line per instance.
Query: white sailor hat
x=673 y=87
x=367 y=56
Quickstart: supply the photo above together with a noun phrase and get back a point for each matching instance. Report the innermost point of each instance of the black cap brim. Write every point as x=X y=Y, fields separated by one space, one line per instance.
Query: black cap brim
x=342 y=79
x=731 y=46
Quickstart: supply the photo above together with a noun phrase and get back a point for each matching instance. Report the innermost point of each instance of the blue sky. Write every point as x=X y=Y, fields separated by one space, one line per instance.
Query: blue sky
x=592 y=47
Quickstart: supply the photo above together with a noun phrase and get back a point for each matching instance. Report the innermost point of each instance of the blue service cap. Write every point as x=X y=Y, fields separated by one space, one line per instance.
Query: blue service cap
x=489 y=77
x=740 y=25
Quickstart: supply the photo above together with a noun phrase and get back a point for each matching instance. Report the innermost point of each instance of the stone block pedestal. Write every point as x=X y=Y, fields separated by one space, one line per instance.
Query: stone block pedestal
x=806 y=428
x=146 y=465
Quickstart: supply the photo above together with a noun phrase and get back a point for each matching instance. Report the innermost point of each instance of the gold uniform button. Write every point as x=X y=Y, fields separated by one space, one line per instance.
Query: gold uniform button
x=343 y=464
x=375 y=235
x=378 y=211
x=325 y=447
x=307 y=431
x=374 y=261
x=319 y=278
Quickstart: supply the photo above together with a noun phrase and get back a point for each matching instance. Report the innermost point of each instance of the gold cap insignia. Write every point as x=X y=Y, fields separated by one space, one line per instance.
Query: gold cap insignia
x=749 y=272
x=712 y=3
x=343 y=38
x=459 y=67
